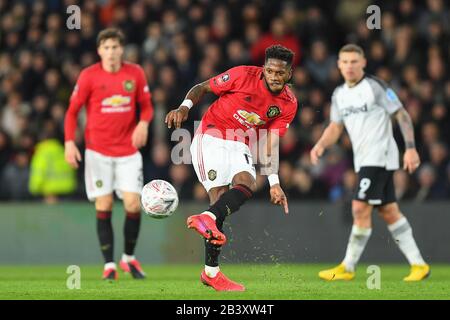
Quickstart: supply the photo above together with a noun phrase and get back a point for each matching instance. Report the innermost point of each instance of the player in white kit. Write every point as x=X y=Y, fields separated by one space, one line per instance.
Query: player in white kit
x=364 y=105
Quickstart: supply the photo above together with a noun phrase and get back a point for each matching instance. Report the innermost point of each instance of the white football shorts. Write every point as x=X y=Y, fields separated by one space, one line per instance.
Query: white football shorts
x=216 y=161
x=104 y=174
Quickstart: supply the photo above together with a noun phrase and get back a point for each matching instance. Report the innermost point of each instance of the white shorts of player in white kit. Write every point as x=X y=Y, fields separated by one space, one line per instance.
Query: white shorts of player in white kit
x=104 y=174
x=216 y=161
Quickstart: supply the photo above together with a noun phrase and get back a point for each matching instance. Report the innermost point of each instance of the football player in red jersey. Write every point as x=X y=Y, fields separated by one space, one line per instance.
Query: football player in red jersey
x=250 y=99
x=110 y=91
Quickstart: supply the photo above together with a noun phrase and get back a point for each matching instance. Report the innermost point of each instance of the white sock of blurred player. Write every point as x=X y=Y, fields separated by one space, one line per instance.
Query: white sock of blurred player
x=356 y=244
x=110 y=265
x=128 y=258
x=402 y=233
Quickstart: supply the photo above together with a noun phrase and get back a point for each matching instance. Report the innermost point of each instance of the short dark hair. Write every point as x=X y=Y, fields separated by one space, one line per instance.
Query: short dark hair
x=110 y=33
x=351 y=47
x=279 y=52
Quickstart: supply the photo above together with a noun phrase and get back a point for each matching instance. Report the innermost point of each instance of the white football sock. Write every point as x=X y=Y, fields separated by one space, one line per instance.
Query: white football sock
x=110 y=265
x=211 y=271
x=402 y=233
x=355 y=247
x=127 y=258
x=212 y=215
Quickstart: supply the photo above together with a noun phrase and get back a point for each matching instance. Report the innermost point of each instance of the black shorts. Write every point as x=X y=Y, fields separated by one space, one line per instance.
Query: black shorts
x=375 y=186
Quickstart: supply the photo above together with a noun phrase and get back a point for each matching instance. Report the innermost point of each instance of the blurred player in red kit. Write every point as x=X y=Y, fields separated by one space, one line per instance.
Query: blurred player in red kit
x=110 y=91
x=250 y=99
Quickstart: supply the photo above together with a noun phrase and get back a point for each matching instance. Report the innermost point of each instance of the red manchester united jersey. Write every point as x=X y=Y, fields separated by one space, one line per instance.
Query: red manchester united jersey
x=110 y=100
x=245 y=104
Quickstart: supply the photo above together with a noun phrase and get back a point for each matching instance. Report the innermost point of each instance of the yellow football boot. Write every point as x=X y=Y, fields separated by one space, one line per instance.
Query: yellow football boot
x=337 y=273
x=418 y=272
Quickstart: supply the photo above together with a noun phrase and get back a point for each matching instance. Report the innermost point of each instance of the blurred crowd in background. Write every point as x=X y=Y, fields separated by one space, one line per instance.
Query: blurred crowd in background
x=180 y=43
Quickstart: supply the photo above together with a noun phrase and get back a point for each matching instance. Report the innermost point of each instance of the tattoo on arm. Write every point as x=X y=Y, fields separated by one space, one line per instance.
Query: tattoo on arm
x=198 y=91
x=406 y=127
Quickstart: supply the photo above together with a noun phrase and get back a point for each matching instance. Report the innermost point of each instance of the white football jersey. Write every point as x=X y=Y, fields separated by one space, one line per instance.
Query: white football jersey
x=365 y=111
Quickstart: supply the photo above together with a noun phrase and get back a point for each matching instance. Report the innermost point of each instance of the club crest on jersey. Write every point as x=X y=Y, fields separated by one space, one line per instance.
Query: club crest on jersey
x=212 y=174
x=128 y=85
x=273 y=112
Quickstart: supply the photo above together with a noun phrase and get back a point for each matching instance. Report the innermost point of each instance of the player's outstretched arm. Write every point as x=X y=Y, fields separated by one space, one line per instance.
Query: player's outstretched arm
x=411 y=159
x=194 y=95
x=271 y=146
x=328 y=138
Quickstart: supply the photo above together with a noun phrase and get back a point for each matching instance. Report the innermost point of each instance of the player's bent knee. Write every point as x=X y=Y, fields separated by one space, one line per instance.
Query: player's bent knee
x=131 y=202
x=135 y=208
x=360 y=214
x=104 y=203
x=361 y=210
x=132 y=206
x=246 y=179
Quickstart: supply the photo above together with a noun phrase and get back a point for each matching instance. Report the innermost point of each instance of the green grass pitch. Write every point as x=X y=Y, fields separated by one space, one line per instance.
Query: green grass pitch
x=181 y=282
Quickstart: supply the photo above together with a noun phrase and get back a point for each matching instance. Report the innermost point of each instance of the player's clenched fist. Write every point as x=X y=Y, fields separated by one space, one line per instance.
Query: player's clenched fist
x=316 y=153
x=177 y=116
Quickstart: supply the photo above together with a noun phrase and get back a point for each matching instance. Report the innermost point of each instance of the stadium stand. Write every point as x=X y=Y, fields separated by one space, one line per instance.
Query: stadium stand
x=182 y=42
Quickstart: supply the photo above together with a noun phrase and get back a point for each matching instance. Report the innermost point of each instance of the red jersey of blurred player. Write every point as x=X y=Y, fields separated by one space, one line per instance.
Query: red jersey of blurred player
x=110 y=90
x=245 y=103
x=110 y=99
